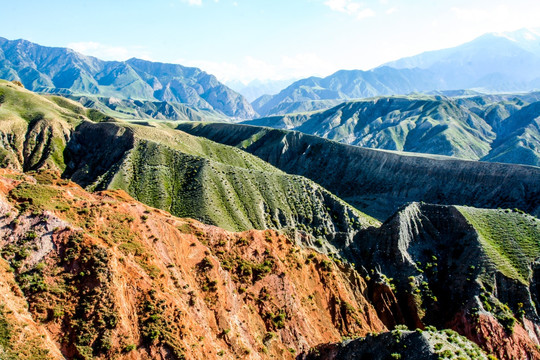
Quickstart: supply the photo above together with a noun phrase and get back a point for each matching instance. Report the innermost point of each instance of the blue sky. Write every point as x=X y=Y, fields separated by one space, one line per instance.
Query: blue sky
x=264 y=39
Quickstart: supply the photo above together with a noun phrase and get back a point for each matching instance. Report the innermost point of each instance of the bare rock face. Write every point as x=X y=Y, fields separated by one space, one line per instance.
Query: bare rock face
x=471 y=270
x=101 y=275
x=107 y=277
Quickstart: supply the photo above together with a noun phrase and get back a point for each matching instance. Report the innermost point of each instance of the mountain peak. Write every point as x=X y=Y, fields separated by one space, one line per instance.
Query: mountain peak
x=527 y=39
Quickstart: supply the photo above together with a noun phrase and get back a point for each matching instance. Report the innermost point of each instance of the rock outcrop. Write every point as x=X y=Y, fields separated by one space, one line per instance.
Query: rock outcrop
x=399 y=344
x=471 y=270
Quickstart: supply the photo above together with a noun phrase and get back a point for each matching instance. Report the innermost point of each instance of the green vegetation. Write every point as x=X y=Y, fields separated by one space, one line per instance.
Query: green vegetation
x=37 y=128
x=10 y=346
x=245 y=271
x=168 y=169
x=158 y=325
x=38 y=197
x=224 y=186
x=79 y=297
x=112 y=85
x=106 y=108
x=404 y=344
x=510 y=238
x=415 y=123
x=356 y=174
x=276 y=321
x=5 y=329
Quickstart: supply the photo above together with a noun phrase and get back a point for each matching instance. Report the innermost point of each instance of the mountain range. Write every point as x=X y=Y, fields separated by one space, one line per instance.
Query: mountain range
x=507 y=62
x=256 y=88
x=64 y=71
x=501 y=128
x=338 y=228
x=96 y=262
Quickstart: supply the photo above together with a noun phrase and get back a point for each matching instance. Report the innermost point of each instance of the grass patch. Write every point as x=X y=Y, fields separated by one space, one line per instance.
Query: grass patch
x=5 y=329
x=510 y=238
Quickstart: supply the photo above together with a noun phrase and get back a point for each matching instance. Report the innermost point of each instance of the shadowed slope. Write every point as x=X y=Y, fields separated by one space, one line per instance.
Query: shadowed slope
x=378 y=182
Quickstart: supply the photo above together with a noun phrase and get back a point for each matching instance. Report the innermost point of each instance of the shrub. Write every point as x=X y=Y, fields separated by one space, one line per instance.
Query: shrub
x=129 y=348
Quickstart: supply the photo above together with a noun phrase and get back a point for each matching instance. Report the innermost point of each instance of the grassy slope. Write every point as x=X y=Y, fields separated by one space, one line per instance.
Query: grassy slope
x=423 y=124
x=169 y=169
x=35 y=129
x=376 y=181
x=225 y=186
x=489 y=128
x=511 y=239
x=135 y=109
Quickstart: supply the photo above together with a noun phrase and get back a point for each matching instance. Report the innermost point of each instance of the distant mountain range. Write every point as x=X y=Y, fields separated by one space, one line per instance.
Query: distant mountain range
x=146 y=109
x=64 y=71
x=256 y=88
x=508 y=62
x=501 y=128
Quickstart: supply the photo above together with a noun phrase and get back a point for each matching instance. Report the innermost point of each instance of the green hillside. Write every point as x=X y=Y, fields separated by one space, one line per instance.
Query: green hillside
x=166 y=168
x=35 y=129
x=511 y=239
x=497 y=128
x=129 y=109
x=423 y=124
x=378 y=182
x=446 y=266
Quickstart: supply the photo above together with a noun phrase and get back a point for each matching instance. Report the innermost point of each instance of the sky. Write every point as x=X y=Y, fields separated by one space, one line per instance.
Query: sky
x=244 y=40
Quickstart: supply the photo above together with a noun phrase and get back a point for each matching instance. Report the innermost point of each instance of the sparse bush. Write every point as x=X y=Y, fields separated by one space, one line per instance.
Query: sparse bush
x=129 y=348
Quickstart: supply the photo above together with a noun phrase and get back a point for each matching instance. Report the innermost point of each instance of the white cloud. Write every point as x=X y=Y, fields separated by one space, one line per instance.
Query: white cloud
x=499 y=17
x=365 y=13
x=470 y=14
x=193 y=2
x=350 y=7
x=391 y=10
x=109 y=52
x=196 y=2
x=249 y=68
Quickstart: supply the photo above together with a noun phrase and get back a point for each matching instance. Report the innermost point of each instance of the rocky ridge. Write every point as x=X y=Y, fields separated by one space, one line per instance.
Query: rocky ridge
x=470 y=270
x=166 y=168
